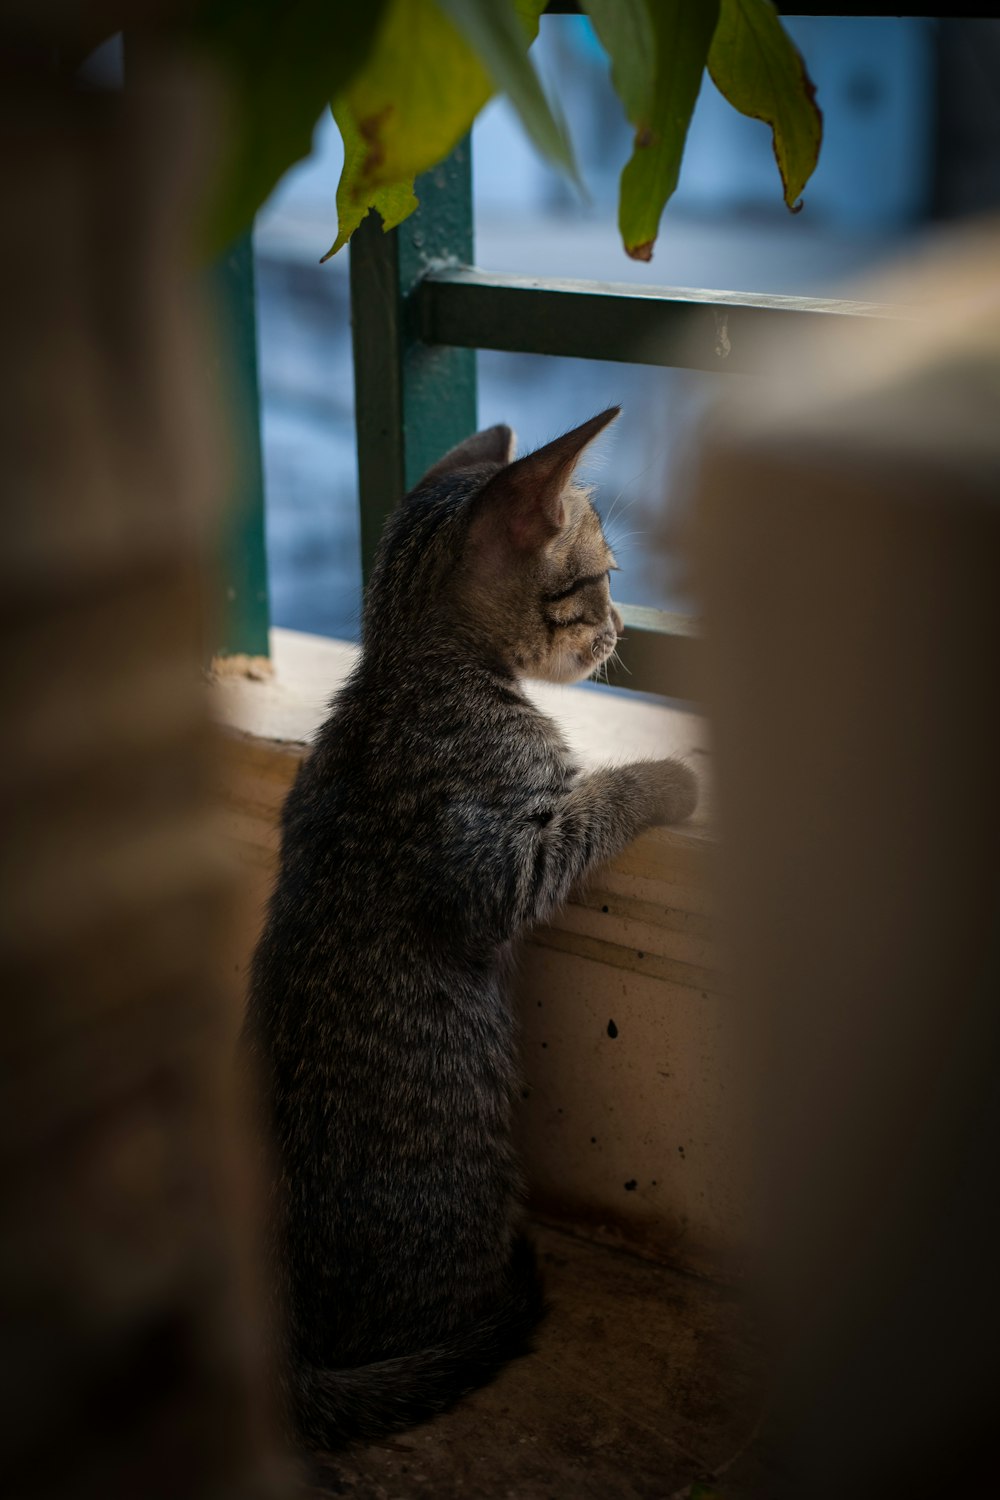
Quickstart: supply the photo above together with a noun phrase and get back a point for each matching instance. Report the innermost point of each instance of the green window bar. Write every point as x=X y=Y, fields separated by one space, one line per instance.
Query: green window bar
x=242 y=621
x=677 y=326
x=413 y=398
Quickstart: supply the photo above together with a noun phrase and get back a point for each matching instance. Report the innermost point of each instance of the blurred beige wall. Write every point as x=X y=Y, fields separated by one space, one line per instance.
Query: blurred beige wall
x=130 y=1362
x=848 y=523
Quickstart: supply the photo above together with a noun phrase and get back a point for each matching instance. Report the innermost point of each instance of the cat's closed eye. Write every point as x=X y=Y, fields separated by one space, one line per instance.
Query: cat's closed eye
x=575 y=587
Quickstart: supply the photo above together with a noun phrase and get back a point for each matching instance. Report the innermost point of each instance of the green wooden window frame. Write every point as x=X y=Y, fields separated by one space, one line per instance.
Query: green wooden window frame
x=242 y=617
x=419 y=311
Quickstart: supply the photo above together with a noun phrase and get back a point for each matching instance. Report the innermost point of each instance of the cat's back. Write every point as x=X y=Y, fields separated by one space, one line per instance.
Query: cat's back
x=395 y=756
x=402 y=812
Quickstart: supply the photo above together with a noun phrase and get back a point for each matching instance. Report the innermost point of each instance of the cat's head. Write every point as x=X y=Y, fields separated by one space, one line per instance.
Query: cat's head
x=506 y=555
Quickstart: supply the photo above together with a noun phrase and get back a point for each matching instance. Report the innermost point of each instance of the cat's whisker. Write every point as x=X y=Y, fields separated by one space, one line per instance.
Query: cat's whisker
x=633 y=480
x=614 y=504
x=618 y=661
x=626 y=536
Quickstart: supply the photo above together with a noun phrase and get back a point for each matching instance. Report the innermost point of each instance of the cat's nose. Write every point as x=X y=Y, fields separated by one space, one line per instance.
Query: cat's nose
x=616 y=621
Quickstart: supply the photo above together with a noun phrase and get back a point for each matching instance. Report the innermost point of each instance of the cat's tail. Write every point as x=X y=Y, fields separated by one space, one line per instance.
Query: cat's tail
x=335 y=1407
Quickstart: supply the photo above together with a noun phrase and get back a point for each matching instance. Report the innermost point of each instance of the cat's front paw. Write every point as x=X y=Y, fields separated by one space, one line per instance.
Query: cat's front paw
x=675 y=795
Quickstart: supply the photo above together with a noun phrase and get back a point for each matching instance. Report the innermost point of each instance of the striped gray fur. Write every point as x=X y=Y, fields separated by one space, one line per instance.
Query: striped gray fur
x=438 y=816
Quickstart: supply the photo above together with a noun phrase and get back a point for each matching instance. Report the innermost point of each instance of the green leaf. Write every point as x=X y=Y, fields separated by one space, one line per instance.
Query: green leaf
x=412 y=102
x=415 y=98
x=625 y=32
x=755 y=64
x=280 y=62
x=496 y=29
x=395 y=202
x=661 y=113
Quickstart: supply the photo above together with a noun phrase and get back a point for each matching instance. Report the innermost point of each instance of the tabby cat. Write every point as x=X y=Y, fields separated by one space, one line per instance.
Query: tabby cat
x=437 y=817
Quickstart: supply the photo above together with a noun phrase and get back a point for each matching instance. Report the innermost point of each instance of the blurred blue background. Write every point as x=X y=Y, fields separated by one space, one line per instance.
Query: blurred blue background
x=898 y=96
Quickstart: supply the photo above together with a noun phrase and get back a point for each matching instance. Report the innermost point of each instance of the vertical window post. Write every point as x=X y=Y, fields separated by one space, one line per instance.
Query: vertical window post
x=242 y=625
x=413 y=401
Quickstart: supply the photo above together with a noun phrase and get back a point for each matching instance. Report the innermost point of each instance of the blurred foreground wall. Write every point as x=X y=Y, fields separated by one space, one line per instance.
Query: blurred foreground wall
x=129 y=1365
x=849 y=545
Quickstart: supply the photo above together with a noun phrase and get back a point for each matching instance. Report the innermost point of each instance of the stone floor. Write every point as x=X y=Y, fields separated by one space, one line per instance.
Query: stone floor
x=643 y=1387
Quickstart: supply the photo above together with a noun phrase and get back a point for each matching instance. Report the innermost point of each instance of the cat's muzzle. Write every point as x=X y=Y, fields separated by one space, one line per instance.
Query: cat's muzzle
x=603 y=644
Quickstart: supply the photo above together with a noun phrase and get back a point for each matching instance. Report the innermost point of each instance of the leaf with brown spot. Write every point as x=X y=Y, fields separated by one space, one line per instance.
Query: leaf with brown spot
x=428 y=75
x=394 y=202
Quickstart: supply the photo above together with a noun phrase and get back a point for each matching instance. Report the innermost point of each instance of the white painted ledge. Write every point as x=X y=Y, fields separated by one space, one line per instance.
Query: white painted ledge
x=288 y=704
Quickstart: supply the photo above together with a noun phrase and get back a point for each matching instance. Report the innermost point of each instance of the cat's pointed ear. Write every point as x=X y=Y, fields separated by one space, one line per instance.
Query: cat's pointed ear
x=529 y=494
x=494 y=445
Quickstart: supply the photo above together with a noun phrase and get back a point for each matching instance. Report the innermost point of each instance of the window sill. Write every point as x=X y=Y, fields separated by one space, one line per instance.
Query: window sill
x=286 y=705
x=647 y=911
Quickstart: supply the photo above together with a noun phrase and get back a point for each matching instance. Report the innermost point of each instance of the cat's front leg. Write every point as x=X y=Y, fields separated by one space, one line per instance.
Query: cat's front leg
x=597 y=817
x=672 y=788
